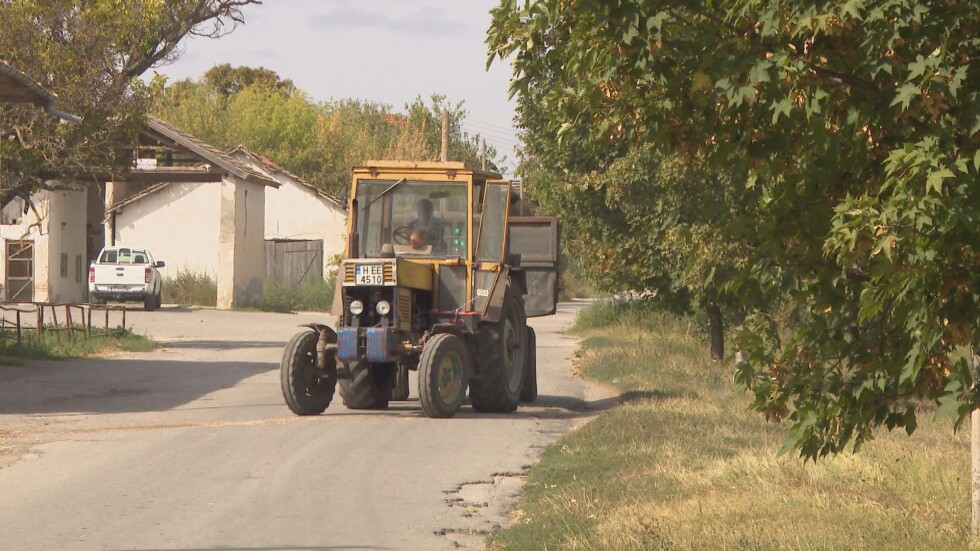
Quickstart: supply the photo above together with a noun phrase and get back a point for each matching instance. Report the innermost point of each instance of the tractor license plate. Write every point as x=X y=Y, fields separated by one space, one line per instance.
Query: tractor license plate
x=370 y=274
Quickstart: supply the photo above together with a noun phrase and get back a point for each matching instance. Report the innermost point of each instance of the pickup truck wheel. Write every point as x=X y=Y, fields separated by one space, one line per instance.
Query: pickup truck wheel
x=307 y=390
x=148 y=302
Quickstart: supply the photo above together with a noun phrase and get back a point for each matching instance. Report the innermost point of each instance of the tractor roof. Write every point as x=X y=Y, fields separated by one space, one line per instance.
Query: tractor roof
x=426 y=167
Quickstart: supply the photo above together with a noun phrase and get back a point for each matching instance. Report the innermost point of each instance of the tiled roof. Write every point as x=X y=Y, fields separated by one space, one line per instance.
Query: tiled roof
x=272 y=165
x=206 y=152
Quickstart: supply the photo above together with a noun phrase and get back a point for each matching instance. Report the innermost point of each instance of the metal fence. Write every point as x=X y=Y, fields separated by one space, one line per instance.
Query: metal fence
x=20 y=319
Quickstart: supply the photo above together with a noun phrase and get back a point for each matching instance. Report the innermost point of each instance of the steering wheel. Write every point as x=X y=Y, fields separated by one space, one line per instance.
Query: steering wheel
x=402 y=235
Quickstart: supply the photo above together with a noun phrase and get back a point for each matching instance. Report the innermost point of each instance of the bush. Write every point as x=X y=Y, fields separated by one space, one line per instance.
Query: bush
x=313 y=295
x=190 y=289
x=646 y=314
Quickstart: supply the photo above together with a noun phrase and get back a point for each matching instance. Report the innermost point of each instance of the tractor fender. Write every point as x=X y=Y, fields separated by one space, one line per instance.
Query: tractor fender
x=509 y=275
x=318 y=327
x=441 y=328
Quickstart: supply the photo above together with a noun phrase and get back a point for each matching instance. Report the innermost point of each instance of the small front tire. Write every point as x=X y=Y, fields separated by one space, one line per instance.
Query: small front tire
x=443 y=373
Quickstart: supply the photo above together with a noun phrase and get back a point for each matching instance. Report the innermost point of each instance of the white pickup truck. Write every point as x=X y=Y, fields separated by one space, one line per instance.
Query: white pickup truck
x=123 y=274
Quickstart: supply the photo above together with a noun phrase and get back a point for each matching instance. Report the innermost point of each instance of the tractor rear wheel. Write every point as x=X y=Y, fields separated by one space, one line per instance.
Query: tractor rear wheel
x=501 y=356
x=443 y=370
x=400 y=391
x=308 y=391
x=369 y=386
x=529 y=392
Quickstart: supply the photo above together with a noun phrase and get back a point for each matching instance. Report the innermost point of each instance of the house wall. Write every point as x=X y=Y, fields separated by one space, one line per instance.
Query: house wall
x=241 y=254
x=56 y=228
x=94 y=227
x=178 y=224
x=67 y=244
x=294 y=211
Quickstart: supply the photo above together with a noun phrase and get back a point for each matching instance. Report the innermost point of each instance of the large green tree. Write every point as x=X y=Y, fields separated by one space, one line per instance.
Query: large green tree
x=91 y=55
x=854 y=125
x=255 y=107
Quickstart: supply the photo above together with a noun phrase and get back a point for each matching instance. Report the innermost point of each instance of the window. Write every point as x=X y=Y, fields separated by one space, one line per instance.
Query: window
x=64 y=264
x=78 y=269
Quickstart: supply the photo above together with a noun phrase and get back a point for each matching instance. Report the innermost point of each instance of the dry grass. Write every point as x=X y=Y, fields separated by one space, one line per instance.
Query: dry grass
x=684 y=465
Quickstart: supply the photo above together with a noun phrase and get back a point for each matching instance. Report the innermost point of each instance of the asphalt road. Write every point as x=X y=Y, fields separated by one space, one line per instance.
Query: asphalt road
x=191 y=447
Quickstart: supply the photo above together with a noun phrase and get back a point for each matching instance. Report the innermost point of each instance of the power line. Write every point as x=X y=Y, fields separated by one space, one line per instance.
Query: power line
x=491 y=132
x=490 y=124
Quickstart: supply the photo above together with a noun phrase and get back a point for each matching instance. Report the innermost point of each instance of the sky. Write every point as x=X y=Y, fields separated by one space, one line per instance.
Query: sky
x=386 y=51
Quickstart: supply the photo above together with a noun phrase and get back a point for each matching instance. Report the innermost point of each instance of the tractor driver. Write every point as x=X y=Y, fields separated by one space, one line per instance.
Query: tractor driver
x=430 y=230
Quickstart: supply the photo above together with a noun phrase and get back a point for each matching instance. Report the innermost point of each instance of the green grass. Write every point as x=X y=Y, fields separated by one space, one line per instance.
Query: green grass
x=683 y=464
x=190 y=289
x=51 y=346
x=315 y=295
x=196 y=289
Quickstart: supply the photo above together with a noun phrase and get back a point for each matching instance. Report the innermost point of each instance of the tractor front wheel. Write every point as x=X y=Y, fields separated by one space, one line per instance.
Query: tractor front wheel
x=443 y=370
x=307 y=390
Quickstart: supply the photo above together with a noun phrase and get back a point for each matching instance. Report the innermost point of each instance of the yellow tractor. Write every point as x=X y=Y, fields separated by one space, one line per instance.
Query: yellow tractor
x=437 y=276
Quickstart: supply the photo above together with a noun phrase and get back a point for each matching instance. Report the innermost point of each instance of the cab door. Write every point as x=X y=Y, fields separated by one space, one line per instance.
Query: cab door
x=537 y=240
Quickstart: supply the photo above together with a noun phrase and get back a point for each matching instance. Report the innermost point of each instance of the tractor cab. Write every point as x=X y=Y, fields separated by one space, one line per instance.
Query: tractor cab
x=431 y=280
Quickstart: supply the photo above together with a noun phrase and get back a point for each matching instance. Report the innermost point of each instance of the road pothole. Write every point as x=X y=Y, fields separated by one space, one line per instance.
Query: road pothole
x=483 y=508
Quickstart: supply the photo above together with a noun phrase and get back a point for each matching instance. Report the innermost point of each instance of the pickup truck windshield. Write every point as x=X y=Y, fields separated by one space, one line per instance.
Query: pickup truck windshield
x=124 y=256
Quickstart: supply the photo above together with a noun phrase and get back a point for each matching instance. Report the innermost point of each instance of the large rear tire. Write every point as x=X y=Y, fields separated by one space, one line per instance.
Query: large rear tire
x=529 y=391
x=307 y=390
x=500 y=358
x=369 y=386
x=401 y=389
x=443 y=370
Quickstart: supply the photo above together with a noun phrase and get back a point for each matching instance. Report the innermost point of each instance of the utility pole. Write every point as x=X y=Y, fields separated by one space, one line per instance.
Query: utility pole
x=483 y=153
x=444 y=154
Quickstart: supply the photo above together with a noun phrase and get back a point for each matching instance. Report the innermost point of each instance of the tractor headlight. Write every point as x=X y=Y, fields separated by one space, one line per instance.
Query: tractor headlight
x=356 y=307
x=383 y=307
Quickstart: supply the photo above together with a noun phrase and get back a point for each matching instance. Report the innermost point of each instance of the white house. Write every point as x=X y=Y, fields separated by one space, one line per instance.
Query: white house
x=205 y=214
x=297 y=211
x=44 y=238
x=44 y=248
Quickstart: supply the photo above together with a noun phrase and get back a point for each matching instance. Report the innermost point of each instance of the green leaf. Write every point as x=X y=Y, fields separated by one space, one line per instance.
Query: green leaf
x=905 y=94
x=781 y=108
x=949 y=406
x=935 y=180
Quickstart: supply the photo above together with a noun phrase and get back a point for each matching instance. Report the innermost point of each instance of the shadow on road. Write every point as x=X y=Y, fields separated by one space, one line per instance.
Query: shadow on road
x=221 y=344
x=115 y=386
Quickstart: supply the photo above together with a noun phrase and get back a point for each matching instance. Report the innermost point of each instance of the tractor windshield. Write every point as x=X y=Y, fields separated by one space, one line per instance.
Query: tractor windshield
x=417 y=218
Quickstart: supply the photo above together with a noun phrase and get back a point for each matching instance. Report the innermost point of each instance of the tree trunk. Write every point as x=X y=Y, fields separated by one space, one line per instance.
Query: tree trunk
x=975 y=448
x=717 y=330
x=739 y=318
